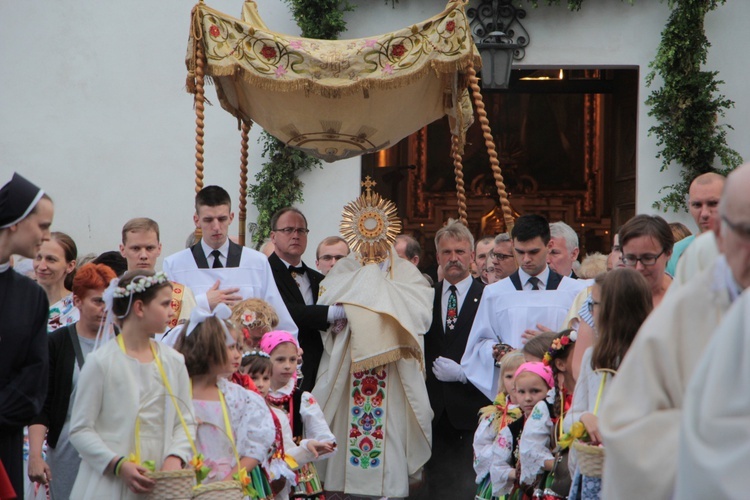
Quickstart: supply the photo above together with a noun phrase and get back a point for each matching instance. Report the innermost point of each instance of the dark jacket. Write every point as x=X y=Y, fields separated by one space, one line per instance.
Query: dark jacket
x=461 y=401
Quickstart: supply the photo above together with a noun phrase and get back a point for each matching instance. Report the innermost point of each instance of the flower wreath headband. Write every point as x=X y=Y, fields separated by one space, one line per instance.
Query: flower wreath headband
x=256 y=352
x=559 y=345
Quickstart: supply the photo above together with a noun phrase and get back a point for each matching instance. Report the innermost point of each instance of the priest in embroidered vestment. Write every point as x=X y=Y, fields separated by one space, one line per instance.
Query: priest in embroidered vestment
x=371 y=380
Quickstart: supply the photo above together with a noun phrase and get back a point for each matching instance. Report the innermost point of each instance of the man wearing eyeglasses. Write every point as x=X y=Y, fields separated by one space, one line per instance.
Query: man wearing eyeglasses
x=331 y=250
x=663 y=358
x=299 y=286
x=703 y=204
x=502 y=256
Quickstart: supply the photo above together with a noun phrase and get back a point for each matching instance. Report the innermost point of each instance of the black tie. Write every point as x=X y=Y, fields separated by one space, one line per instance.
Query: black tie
x=534 y=282
x=297 y=270
x=217 y=262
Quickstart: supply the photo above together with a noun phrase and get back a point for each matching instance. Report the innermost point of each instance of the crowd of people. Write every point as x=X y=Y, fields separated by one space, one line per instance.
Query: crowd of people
x=508 y=376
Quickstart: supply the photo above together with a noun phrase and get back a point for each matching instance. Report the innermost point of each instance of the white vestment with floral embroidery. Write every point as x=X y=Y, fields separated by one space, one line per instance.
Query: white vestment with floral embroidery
x=371 y=383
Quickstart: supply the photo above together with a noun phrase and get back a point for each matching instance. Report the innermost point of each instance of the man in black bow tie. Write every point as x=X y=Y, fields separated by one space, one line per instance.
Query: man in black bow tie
x=299 y=286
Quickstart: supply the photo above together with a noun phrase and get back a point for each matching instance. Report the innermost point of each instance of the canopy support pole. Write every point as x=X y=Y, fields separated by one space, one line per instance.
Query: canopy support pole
x=243 y=180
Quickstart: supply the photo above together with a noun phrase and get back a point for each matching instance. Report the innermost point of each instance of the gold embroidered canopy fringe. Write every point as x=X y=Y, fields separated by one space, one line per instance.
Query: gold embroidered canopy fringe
x=336 y=99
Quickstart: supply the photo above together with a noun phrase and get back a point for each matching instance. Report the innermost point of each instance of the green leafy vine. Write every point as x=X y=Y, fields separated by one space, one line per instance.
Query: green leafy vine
x=277 y=185
x=688 y=105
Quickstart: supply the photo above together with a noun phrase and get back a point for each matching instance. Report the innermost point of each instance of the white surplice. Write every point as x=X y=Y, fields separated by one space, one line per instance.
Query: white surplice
x=714 y=442
x=640 y=418
x=504 y=314
x=253 y=277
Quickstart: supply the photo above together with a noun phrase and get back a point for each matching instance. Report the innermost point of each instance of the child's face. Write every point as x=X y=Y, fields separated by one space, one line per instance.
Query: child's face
x=284 y=360
x=262 y=381
x=158 y=312
x=508 y=384
x=530 y=389
x=234 y=357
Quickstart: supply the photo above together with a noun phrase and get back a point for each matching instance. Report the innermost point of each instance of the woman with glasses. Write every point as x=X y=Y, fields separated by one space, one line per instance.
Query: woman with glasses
x=646 y=242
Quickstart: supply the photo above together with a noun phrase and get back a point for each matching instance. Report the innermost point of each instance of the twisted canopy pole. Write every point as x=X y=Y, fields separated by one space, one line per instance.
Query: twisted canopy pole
x=243 y=180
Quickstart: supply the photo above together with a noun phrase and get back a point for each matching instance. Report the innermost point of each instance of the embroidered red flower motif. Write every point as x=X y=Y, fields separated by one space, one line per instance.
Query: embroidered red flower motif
x=358 y=399
x=354 y=433
x=214 y=31
x=377 y=399
x=268 y=52
x=369 y=386
x=377 y=433
x=398 y=50
x=450 y=26
x=365 y=445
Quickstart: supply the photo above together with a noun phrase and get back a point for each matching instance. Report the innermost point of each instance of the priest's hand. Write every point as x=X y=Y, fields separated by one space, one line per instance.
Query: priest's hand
x=228 y=296
x=447 y=370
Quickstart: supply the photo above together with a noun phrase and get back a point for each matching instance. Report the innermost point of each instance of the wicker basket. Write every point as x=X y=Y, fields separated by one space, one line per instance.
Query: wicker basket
x=590 y=458
x=220 y=490
x=172 y=485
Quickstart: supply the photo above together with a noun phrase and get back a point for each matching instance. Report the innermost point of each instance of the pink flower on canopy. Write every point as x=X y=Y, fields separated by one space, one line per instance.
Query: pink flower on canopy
x=370 y=43
x=387 y=69
x=295 y=44
x=280 y=71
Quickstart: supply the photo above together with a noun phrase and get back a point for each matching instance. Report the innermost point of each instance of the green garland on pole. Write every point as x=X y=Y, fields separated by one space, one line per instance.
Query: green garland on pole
x=277 y=185
x=688 y=105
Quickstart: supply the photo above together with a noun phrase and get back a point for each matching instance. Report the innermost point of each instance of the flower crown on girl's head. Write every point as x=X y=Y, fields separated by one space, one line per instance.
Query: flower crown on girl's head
x=256 y=352
x=559 y=345
x=140 y=284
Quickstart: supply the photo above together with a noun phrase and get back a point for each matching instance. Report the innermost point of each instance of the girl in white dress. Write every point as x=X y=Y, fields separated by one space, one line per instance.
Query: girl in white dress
x=123 y=416
x=227 y=415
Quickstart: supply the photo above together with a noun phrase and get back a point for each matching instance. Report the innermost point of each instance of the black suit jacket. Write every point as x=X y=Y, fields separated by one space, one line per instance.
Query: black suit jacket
x=461 y=401
x=310 y=320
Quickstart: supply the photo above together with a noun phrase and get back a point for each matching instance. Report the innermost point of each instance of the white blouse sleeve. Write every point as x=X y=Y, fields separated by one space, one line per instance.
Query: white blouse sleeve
x=587 y=378
x=534 y=447
x=500 y=468
x=484 y=436
x=252 y=423
x=299 y=453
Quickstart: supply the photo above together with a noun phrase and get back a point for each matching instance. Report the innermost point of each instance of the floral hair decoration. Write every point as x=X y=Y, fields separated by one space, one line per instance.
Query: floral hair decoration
x=256 y=352
x=559 y=345
x=139 y=285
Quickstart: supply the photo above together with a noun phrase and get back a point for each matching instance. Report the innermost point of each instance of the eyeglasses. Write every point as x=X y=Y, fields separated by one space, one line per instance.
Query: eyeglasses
x=742 y=230
x=326 y=258
x=302 y=231
x=646 y=260
x=500 y=256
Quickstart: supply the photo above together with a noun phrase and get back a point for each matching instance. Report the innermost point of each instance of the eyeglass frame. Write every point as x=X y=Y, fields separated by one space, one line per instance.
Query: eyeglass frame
x=500 y=256
x=590 y=303
x=302 y=231
x=641 y=260
x=327 y=257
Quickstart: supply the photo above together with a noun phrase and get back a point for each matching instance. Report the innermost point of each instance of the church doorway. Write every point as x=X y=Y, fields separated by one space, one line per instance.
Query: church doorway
x=566 y=141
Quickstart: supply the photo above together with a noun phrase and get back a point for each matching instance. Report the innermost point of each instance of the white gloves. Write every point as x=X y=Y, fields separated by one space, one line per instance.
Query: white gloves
x=335 y=312
x=447 y=370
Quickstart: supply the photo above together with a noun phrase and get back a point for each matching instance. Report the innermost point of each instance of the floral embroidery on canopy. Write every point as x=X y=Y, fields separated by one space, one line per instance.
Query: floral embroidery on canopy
x=342 y=98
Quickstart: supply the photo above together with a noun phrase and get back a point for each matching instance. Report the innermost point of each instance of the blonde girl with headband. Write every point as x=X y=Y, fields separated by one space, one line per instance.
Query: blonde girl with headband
x=123 y=415
x=492 y=419
x=510 y=472
x=254 y=317
x=234 y=431
x=319 y=443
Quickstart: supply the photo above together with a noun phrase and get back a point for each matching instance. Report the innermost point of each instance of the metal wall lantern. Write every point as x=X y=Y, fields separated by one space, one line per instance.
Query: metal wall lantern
x=500 y=38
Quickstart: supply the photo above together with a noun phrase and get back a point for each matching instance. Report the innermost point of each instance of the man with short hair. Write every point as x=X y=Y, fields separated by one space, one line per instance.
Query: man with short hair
x=454 y=401
x=506 y=316
x=563 y=249
x=25 y=218
x=216 y=261
x=141 y=248
x=703 y=202
x=331 y=250
x=408 y=248
x=481 y=252
x=299 y=287
x=503 y=256
x=662 y=360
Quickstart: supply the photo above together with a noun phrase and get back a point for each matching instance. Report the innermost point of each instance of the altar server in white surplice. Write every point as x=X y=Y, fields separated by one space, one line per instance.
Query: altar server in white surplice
x=513 y=309
x=217 y=269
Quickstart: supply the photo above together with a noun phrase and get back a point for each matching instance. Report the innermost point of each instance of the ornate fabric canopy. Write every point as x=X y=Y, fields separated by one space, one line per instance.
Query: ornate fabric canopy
x=342 y=98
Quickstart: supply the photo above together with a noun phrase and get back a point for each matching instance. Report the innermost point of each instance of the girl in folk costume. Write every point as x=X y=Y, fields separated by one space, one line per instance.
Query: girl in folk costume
x=283 y=350
x=559 y=357
x=492 y=419
x=619 y=290
x=123 y=416
x=517 y=462
x=229 y=418
x=257 y=365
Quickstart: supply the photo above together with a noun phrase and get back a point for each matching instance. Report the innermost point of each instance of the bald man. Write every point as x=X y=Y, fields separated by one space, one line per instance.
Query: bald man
x=703 y=204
